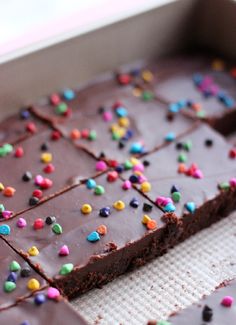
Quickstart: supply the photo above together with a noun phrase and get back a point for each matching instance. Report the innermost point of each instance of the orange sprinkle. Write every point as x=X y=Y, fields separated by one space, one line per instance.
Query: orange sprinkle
x=182 y=168
x=9 y=191
x=75 y=134
x=102 y=230
x=152 y=224
x=196 y=107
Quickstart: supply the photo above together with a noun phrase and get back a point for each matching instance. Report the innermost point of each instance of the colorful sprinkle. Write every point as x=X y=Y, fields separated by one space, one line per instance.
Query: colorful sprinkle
x=227 y=301
x=33 y=284
x=91 y=184
x=5 y=230
x=190 y=206
x=64 y=251
x=119 y=205
x=86 y=209
x=93 y=236
x=14 y=266
x=53 y=293
x=66 y=269
x=9 y=286
x=33 y=251
x=99 y=190
x=102 y=230
x=57 y=228
x=105 y=212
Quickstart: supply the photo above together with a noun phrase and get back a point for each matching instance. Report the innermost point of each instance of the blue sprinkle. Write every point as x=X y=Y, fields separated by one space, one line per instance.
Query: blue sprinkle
x=197 y=78
x=105 y=212
x=25 y=323
x=129 y=133
x=119 y=169
x=134 y=203
x=134 y=179
x=136 y=148
x=190 y=206
x=182 y=103
x=174 y=188
x=174 y=108
x=135 y=72
x=229 y=102
x=25 y=114
x=121 y=112
x=39 y=299
x=221 y=96
x=5 y=230
x=207 y=93
x=91 y=183
x=12 y=277
x=170 y=137
x=189 y=103
x=68 y=94
x=93 y=236
x=169 y=207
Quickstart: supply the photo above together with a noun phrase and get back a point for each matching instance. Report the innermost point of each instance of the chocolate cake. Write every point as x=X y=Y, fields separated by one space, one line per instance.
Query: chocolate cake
x=119 y=171
x=218 y=308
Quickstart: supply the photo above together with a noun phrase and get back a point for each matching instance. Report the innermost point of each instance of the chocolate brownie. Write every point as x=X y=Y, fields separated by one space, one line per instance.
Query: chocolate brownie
x=122 y=130
x=17 y=278
x=92 y=233
x=42 y=307
x=218 y=308
x=199 y=86
x=193 y=177
x=46 y=163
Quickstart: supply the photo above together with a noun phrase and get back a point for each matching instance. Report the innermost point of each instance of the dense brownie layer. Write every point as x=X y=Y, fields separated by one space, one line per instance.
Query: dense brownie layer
x=57 y=160
x=199 y=86
x=19 y=126
x=15 y=277
x=42 y=307
x=125 y=129
x=127 y=242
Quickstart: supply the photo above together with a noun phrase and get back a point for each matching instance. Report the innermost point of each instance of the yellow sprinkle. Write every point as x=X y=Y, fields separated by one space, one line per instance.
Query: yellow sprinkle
x=145 y=187
x=33 y=251
x=218 y=65
x=46 y=157
x=134 y=161
x=147 y=76
x=33 y=284
x=121 y=132
x=124 y=121
x=145 y=219
x=114 y=127
x=1 y=187
x=86 y=209
x=137 y=92
x=119 y=205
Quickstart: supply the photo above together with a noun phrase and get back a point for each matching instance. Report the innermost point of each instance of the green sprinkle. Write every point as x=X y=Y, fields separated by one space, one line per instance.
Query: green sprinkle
x=201 y=114
x=182 y=158
x=92 y=135
x=176 y=196
x=115 y=136
x=99 y=190
x=66 y=268
x=5 y=149
x=128 y=165
x=163 y=322
x=61 y=108
x=2 y=208
x=224 y=186
x=9 y=286
x=147 y=95
x=57 y=229
x=188 y=145
x=14 y=266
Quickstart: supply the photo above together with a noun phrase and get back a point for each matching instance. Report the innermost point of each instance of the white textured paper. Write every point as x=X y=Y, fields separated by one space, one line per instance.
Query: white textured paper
x=170 y=282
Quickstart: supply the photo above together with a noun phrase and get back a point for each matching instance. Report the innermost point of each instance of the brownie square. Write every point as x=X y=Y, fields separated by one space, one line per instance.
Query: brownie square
x=44 y=157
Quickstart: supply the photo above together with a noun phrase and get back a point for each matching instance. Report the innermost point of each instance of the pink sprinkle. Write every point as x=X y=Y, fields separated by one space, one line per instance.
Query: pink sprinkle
x=53 y=293
x=160 y=200
x=227 y=301
x=21 y=223
x=232 y=182
x=64 y=250
x=198 y=174
x=138 y=167
x=7 y=214
x=38 y=180
x=214 y=89
x=126 y=185
x=166 y=201
x=107 y=116
x=101 y=166
x=142 y=179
